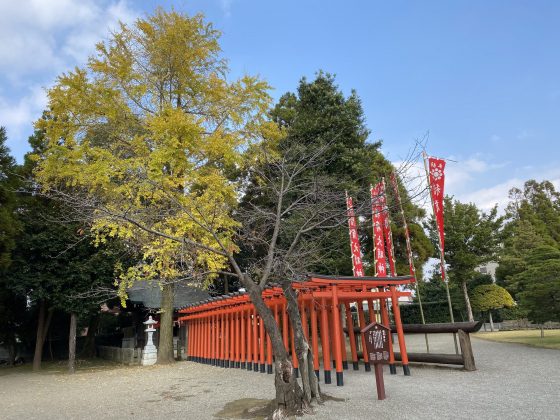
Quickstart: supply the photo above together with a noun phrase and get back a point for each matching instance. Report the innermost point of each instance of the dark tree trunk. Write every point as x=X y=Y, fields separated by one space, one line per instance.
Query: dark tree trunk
x=11 y=345
x=289 y=396
x=42 y=328
x=165 y=346
x=304 y=354
x=72 y=343
x=491 y=321
x=467 y=301
x=89 y=344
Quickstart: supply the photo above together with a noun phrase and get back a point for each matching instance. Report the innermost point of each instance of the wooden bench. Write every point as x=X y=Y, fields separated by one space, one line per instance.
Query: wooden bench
x=462 y=329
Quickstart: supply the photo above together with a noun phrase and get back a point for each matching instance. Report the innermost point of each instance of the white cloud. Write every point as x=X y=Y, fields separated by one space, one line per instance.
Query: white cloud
x=40 y=40
x=226 y=7
x=461 y=175
x=486 y=198
x=40 y=35
x=524 y=135
x=19 y=115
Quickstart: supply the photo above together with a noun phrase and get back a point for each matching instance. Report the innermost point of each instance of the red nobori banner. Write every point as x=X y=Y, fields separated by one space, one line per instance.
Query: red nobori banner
x=397 y=195
x=378 y=221
x=355 y=248
x=387 y=230
x=436 y=169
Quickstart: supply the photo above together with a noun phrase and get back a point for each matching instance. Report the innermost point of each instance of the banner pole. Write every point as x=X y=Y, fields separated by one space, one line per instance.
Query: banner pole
x=395 y=185
x=442 y=258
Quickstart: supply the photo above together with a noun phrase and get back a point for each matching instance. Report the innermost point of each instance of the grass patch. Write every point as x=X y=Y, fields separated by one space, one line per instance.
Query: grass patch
x=551 y=338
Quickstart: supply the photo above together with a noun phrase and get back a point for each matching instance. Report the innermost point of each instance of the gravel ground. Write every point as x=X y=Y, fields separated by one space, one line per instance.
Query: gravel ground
x=513 y=381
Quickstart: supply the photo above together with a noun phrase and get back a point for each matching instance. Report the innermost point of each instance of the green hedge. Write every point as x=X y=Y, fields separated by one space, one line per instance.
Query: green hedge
x=434 y=312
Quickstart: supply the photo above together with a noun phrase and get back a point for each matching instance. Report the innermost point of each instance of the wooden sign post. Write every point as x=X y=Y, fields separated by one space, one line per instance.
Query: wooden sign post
x=377 y=347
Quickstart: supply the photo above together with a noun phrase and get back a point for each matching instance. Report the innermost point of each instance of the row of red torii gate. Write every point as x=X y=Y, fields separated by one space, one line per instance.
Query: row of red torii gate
x=227 y=331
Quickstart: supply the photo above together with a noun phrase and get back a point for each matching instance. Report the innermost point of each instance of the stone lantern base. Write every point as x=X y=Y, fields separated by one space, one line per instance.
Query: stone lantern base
x=149 y=355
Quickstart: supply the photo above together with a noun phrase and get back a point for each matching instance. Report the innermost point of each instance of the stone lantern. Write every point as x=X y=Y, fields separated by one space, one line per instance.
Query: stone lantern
x=149 y=354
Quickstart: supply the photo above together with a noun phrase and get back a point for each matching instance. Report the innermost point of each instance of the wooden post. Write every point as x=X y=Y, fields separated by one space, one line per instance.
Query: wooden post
x=227 y=342
x=400 y=333
x=187 y=342
x=362 y=319
x=343 y=339
x=466 y=350
x=372 y=317
x=223 y=340
x=269 y=345
x=255 y=342
x=285 y=327
x=261 y=343
x=337 y=339
x=379 y=382
x=304 y=323
x=325 y=342
x=237 y=338
x=193 y=341
x=243 y=355
x=277 y=319
x=295 y=361
x=385 y=321
x=231 y=351
x=314 y=338
x=351 y=336
x=212 y=340
x=209 y=339
x=202 y=339
x=249 y=341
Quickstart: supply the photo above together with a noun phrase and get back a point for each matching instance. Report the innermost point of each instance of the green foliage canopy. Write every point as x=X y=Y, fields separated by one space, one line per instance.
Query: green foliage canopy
x=318 y=115
x=490 y=296
x=539 y=284
x=471 y=238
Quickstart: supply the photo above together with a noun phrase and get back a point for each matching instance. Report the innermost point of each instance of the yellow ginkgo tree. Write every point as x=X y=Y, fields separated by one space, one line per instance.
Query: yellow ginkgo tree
x=145 y=141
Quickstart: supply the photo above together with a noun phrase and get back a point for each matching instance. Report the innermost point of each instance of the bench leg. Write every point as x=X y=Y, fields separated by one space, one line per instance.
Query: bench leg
x=466 y=351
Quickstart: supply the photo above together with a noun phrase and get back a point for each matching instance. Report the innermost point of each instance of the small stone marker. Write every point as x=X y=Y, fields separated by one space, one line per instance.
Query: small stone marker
x=149 y=354
x=377 y=347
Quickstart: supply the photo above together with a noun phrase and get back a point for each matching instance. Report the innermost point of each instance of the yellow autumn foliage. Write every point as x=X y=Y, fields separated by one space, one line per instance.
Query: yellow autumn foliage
x=147 y=135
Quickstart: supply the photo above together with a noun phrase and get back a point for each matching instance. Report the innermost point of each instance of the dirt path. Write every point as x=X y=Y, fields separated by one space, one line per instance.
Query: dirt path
x=513 y=381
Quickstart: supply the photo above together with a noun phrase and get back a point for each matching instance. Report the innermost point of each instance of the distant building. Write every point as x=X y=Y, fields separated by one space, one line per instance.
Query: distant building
x=488 y=268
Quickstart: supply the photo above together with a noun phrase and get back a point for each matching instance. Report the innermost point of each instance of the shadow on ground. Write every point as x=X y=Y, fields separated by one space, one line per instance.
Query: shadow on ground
x=256 y=409
x=247 y=408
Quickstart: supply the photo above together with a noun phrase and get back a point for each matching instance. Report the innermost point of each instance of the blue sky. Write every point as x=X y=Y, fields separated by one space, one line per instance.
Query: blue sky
x=483 y=78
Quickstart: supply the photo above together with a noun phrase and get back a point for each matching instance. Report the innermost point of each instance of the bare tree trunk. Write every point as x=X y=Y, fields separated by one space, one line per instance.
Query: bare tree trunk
x=50 y=345
x=491 y=322
x=289 y=396
x=304 y=354
x=40 y=337
x=165 y=346
x=467 y=301
x=72 y=343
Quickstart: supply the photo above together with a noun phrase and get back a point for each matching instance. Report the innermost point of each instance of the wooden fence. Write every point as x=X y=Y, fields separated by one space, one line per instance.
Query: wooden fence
x=127 y=356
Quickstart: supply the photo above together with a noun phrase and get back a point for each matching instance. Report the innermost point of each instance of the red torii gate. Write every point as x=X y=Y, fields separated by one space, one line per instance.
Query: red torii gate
x=227 y=331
